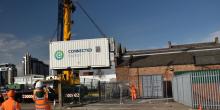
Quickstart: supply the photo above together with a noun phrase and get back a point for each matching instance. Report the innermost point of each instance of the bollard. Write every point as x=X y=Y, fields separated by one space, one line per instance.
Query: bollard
x=121 y=93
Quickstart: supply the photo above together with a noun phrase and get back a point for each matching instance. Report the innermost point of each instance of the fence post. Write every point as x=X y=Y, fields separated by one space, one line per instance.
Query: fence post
x=121 y=93
x=60 y=94
x=166 y=90
x=105 y=90
x=91 y=84
x=192 y=88
x=99 y=89
x=79 y=94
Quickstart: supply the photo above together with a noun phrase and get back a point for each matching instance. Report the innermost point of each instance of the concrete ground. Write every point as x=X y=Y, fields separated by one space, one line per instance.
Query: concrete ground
x=138 y=105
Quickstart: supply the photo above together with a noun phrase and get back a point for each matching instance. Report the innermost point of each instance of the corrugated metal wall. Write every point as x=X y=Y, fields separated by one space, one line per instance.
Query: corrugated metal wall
x=197 y=88
x=182 y=89
x=152 y=86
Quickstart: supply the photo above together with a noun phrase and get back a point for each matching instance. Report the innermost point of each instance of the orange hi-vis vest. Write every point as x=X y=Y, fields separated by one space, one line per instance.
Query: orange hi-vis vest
x=133 y=89
x=10 y=104
x=41 y=103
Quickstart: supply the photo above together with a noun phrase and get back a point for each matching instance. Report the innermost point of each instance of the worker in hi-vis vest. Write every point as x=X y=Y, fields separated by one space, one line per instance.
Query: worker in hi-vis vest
x=40 y=97
x=133 y=92
x=10 y=103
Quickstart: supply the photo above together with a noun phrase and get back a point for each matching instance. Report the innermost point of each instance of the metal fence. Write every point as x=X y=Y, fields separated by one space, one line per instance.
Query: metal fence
x=114 y=91
x=91 y=90
x=86 y=92
x=198 y=88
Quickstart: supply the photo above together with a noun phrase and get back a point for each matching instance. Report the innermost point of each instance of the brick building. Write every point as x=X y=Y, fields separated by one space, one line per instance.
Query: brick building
x=165 y=61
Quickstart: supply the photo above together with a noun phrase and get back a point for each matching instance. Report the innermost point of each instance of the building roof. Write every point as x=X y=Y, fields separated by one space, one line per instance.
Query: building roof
x=197 y=53
x=174 y=48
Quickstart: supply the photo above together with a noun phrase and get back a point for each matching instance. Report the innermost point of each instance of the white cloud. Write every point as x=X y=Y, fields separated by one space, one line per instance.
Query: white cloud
x=9 y=44
x=37 y=42
x=215 y=34
x=38 y=47
x=211 y=37
x=12 y=48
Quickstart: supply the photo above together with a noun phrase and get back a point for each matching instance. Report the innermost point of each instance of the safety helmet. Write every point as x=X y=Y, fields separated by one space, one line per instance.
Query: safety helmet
x=39 y=84
x=11 y=93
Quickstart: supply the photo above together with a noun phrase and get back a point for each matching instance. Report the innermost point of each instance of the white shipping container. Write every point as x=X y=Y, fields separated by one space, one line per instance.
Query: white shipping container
x=79 y=53
x=112 y=44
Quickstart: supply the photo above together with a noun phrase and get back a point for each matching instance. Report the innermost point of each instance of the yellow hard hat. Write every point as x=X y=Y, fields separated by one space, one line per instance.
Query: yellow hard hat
x=11 y=93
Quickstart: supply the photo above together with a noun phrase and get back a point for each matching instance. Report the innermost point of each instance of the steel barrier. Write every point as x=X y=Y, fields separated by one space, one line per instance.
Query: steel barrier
x=198 y=88
x=90 y=91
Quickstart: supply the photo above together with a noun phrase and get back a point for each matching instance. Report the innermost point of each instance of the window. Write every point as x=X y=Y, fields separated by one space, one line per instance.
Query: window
x=98 y=49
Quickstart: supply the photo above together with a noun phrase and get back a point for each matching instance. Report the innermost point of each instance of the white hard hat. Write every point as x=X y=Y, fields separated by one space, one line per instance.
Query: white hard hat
x=39 y=84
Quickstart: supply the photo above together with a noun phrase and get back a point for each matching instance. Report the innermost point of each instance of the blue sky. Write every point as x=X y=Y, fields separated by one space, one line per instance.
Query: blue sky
x=28 y=25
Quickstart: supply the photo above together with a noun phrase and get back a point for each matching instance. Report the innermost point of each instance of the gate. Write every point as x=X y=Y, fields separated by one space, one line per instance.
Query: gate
x=116 y=92
x=152 y=86
x=182 y=89
x=198 y=88
x=91 y=90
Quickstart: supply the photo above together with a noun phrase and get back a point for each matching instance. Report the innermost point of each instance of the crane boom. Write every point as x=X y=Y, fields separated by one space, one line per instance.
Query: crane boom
x=65 y=9
x=68 y=8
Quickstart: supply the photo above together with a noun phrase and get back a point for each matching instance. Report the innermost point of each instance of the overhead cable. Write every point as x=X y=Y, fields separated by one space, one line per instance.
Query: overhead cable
x=91 y=19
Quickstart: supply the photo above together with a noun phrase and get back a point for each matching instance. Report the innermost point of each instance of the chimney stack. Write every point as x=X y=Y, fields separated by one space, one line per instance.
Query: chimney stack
x=216 y=40
x=169 y=44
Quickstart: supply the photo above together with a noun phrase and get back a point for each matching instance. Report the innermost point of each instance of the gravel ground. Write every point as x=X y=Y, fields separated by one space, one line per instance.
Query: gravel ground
x=138 y=105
